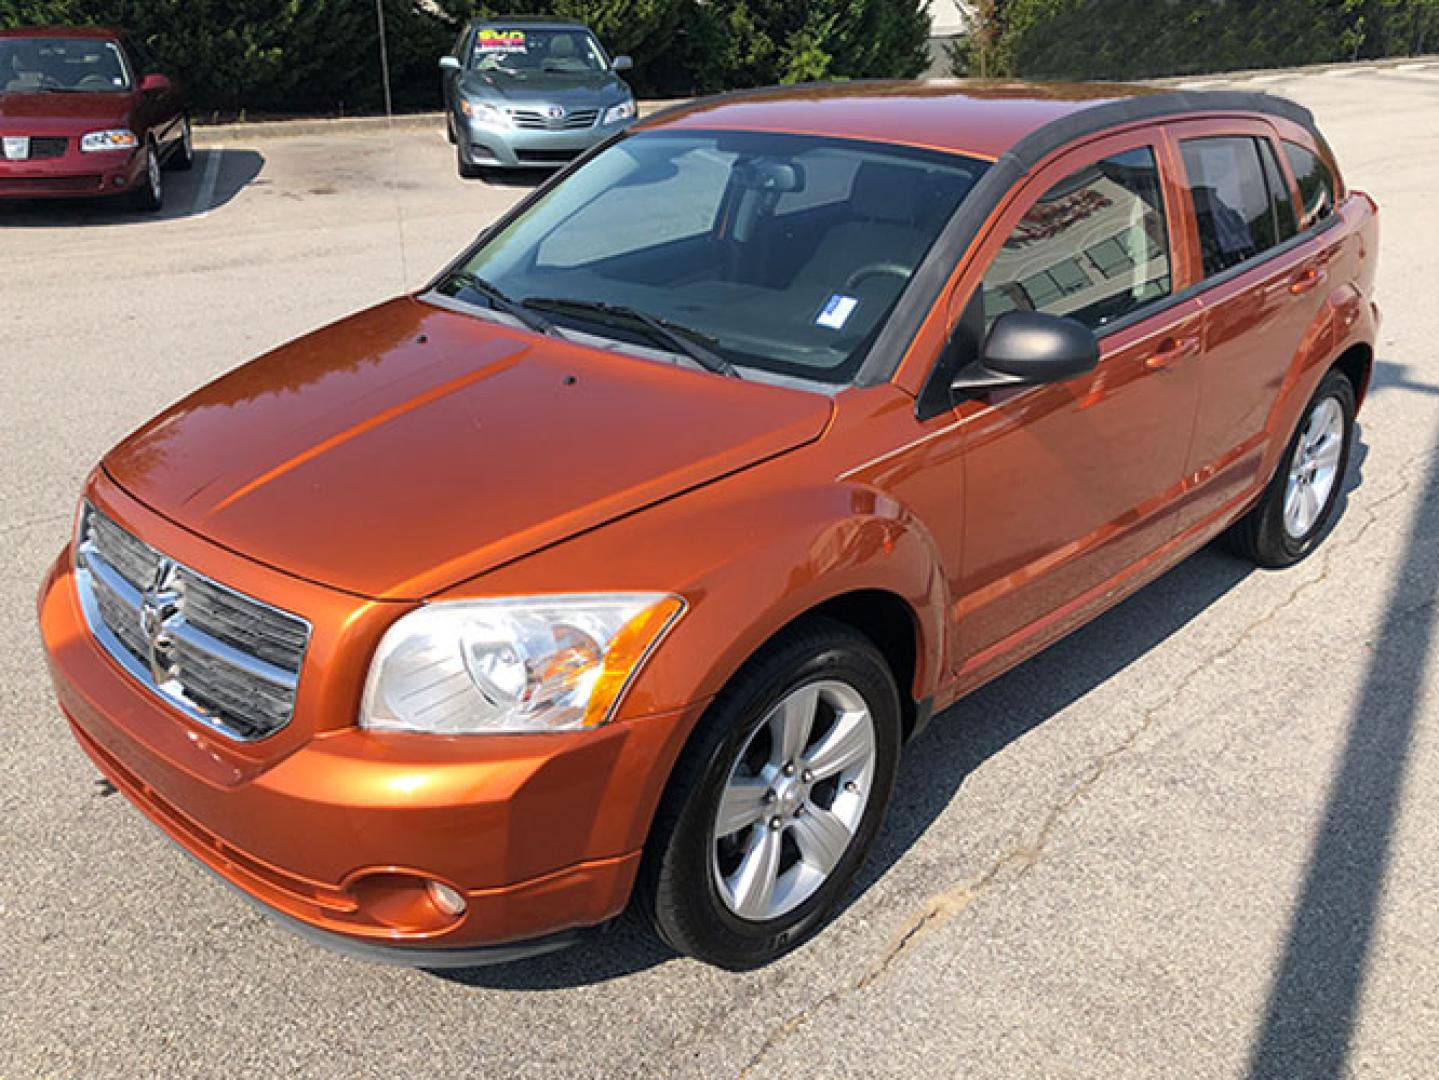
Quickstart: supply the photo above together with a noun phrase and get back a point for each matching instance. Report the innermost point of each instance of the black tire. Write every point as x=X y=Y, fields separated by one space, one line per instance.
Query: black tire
x=1261 y=535
x=149 y=196
x=182 y=156
x=450 y=130
x=677 y=887
x=468 y=171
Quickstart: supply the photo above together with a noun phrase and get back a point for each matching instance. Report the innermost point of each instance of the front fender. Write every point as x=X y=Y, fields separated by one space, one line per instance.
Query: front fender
x=749 y=558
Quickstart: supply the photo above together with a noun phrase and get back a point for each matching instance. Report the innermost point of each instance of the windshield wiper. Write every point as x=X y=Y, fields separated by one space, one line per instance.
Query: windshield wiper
x=500 y=302
x=676 y=338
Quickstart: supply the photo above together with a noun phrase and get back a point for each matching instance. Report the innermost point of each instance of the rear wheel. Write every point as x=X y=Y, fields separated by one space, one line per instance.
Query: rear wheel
x=776 y=799
x=1298 y=506
x=182 y=158
x=149 y=194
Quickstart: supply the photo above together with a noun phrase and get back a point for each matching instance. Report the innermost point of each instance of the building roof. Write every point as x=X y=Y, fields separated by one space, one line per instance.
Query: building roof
x=981 y=119
x=949 y=17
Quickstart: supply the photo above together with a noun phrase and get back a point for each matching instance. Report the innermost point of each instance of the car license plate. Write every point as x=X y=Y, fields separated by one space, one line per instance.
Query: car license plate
x=17 y=148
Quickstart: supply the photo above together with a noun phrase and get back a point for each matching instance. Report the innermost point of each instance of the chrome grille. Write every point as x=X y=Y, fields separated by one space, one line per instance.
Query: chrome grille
x=225 y=659
x=540 y=120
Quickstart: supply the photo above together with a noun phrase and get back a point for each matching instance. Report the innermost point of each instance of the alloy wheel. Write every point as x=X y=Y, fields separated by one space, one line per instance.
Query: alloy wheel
x=1314 y=468
x=794 y=798
x=152 y=174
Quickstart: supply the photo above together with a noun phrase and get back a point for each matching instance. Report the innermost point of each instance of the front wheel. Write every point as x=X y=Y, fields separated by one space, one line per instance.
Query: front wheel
x=776 y=799
x=468 y=171
x=1298 y=506
x=150 y=193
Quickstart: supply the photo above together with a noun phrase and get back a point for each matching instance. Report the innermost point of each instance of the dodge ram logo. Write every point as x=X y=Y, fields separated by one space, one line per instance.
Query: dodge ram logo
x=159 y=606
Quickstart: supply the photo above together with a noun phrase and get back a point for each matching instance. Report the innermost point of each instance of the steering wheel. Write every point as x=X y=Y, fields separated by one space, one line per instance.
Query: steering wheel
x=93 y=82
x=864 y=273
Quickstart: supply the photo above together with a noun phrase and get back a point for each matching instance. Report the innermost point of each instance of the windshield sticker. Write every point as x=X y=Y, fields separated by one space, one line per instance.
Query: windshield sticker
x=836 y=312
x=501 y=41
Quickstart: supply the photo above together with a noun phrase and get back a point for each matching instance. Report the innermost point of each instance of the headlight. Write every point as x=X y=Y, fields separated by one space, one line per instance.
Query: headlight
x=117 y=139
x=544 y=663
x=625 y=110
x=491 y=116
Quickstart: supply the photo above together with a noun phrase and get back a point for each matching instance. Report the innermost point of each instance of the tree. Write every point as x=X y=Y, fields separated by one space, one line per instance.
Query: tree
x=978 y=52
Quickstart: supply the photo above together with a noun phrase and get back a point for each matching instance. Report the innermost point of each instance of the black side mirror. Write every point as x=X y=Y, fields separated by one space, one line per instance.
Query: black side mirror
x=1026 y=348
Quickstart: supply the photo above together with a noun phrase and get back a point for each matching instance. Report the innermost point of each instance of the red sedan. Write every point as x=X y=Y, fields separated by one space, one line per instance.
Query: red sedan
x=86 y=112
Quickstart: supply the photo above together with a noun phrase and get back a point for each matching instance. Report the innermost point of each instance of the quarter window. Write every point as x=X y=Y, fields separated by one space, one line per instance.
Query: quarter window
x=1242 y=206
x=1317 y=186
x=1094 y=247
x=1286 y=219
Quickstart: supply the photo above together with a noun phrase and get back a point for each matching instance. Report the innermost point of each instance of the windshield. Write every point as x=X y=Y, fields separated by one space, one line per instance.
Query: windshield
x=782 y=253
x=525 y=49
x=77 y=65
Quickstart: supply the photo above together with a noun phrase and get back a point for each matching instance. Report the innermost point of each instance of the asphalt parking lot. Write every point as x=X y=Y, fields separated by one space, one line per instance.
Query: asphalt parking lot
x=1198 y=838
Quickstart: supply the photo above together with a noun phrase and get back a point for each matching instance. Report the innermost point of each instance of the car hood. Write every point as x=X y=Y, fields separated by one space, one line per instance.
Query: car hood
x=63 y=114
x=590 y=88
x=409 y=448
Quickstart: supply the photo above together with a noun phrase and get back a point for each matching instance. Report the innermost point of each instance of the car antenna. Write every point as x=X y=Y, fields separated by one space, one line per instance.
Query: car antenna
x=394 y=180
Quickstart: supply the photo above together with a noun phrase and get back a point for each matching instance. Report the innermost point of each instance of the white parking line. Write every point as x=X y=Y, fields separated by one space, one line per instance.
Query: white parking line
x=1202 y=84
x=1346 y=73
x=1264 y=79
x=1417 y=65
x=213 y=159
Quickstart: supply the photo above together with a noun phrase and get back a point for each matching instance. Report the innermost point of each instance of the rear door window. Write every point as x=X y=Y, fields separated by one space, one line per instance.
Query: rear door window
x=1242 y=206
x=1094 y=247
x=1317 y=187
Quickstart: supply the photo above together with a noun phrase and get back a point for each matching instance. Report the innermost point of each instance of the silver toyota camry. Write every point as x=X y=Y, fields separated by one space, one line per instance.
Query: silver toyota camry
x=527 y=94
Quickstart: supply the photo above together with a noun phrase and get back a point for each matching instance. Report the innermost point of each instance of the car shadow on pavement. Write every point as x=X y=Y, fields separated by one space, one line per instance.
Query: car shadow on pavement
x=954 y=746
x=1318 y=983
x=217 y=177
x=1391 y=376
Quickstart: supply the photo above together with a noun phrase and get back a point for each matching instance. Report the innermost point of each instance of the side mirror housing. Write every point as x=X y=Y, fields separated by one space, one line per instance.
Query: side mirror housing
x=154 y=84
x=449 y=63
x=622 y=63
x=1026 y=348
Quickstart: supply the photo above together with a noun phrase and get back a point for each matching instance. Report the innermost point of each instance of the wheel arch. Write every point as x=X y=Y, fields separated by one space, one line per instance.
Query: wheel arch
x=1357 y=363
x=888 y=621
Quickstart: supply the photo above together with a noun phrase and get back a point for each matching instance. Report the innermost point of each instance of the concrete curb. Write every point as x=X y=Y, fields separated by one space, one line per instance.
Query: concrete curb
x=1265 y=75
x=207 y=135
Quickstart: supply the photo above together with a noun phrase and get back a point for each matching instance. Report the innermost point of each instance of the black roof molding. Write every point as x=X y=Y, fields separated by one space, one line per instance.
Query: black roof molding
x=927 y=285
x=1040 y=143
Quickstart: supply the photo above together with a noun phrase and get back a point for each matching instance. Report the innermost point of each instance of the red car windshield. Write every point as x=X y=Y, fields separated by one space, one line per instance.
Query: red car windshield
x=62 y=65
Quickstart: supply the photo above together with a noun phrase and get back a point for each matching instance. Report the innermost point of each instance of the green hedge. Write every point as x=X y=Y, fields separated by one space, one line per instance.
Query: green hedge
x=322 y=56
x=1126 y=39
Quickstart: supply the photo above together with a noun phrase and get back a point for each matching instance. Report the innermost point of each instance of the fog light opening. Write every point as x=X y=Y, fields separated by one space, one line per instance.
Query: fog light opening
x=448 y=900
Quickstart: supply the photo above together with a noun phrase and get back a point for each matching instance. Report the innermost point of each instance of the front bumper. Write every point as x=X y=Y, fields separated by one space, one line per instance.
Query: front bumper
x=520 y=148
x=541 y=834
x=75 y=175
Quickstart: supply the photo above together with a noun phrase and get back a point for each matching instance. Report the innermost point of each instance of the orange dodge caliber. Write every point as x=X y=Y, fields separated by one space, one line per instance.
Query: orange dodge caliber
x=623 y=560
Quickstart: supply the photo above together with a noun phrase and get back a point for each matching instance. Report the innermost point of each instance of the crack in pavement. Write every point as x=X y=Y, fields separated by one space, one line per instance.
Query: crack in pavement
x=944 y=906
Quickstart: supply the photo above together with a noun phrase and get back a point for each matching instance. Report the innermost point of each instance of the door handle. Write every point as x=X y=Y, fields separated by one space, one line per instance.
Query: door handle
x=1308 y=279
x=1171 y=351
